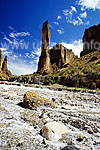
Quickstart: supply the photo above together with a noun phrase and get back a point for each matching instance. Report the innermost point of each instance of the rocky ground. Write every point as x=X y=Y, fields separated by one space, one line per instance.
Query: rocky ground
x=78 y=110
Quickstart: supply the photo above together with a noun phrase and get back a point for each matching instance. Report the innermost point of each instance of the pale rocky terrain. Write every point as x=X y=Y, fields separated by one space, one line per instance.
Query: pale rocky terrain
x=78 y=110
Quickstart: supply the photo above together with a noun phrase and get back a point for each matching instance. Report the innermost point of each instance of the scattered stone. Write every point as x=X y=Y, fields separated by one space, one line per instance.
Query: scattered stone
x=20 y=144
x=70 y=147
x=95 y=130
x=32 y=100
x=45 y=141
x=80 y=138
x=90 y=131
x=54 y=99
x=53 y=131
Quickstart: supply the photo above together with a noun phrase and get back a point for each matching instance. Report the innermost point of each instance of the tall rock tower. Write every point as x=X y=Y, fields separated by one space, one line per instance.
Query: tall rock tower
x=1 y=60
x=4 y=66
x=44 y=65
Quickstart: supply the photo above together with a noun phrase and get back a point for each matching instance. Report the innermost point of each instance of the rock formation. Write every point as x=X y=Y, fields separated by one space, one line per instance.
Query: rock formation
x=59 y=55
x=4 y=65
x=52 y=59
x=4 y=72
x=32 y=100
x=1 y=60
x=44 y=65
x=91 y=40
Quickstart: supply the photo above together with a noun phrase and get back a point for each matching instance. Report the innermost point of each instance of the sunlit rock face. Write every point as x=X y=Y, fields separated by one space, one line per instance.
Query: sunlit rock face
x=4 y=65
x=4 y=72
x=44 y=64
x=51 y=60
x=1 y=60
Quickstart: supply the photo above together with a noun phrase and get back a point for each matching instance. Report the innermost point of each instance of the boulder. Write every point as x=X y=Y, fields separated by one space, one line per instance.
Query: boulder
x=32 y=101
x=53 y=131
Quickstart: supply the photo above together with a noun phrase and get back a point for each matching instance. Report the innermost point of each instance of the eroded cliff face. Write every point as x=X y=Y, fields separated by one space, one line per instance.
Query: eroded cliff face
x=51 y=60
x=59 y=56
x=91 y=40
x=4 y=72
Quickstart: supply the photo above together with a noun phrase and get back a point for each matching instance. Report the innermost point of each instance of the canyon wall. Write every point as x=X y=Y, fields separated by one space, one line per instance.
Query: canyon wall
x=91 y=40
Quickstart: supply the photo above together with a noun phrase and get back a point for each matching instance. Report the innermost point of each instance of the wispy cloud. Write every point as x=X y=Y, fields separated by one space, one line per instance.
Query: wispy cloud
x=60 y=31
x=10 y=27
x=35 y=54
x=89 y=4
x=56 y=23
x=69 y=13
x=59 y=17
x=83 y=15
x=21 y=34
x=74 y=18
x=76 y=46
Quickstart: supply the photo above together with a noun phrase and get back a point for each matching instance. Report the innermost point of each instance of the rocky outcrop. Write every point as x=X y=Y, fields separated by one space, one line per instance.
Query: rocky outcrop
x=1 y=60
x=4 y=72
x=91 y=40
x=59 y=56
x=53 y=59
x=44 y=65
x=4 y=65
x=32 y=101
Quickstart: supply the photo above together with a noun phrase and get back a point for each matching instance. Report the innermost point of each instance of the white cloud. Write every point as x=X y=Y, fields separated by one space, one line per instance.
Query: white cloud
x=36 y=53
x=60 y=31
x=10 y=27
x=73 y=9
x=59 y=17
x=56 y=23
x=80 y=21
x=69 y=13
x=77 y=20
x=3 y=49
x=31 y=62
x=83 y=15
x=14 y=35
x=89 y=4
x=87 y=23
x=7 y=53
x=76 y=46
x=21 y=68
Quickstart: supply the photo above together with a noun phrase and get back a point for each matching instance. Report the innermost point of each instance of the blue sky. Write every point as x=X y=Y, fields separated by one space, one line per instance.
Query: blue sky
x=21 y=28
